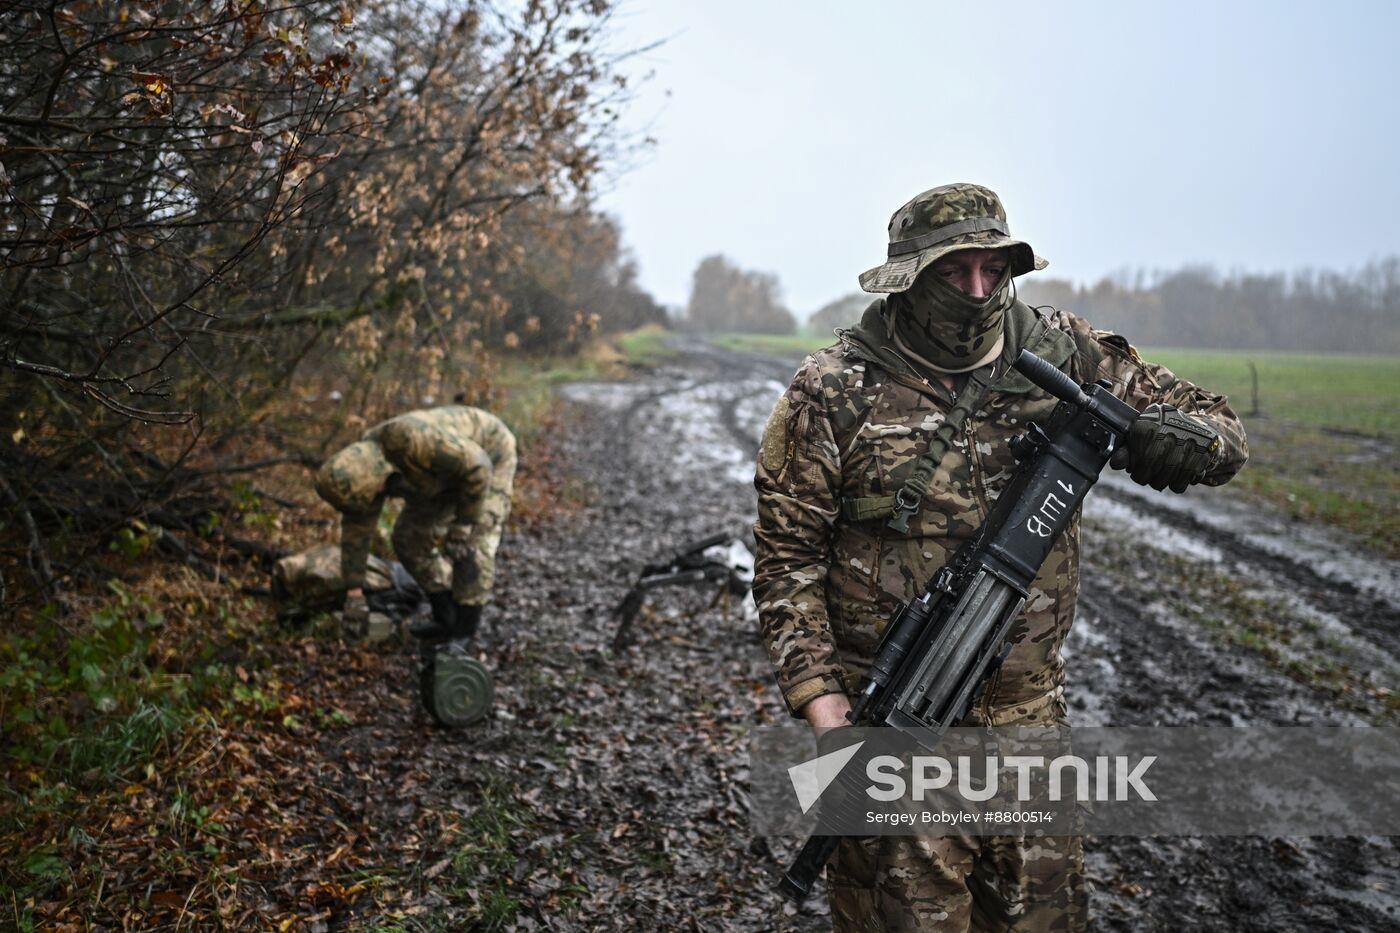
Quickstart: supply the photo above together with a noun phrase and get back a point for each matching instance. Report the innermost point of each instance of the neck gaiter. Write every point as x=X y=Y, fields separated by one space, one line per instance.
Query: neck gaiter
x=944 y=327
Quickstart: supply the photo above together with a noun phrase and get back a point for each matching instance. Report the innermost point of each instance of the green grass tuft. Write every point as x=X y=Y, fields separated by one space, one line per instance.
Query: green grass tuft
x=645 y=346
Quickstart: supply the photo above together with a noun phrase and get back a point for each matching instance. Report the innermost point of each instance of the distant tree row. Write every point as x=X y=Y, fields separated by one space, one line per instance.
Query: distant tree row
x=1199 y=307
x=724 y=297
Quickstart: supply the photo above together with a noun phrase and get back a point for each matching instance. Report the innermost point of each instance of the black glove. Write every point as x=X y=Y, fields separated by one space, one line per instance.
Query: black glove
x=468 y=619
x=1167 y=449
x=844 y=802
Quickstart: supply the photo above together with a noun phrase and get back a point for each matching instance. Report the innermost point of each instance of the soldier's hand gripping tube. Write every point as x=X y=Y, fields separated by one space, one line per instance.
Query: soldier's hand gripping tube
x=937 y=650
x=1166 y=448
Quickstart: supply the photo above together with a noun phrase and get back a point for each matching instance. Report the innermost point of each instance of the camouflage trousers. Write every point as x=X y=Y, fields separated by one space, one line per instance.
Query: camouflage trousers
x=423 y=524
x=960 y=882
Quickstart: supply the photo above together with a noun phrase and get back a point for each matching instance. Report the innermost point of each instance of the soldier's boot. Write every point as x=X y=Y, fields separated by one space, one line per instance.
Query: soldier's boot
x=468 y=621
x=444 y=620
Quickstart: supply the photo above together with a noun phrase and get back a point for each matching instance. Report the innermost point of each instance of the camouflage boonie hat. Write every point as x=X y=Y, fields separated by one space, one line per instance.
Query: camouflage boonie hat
x=352 y=479
x=938 y=222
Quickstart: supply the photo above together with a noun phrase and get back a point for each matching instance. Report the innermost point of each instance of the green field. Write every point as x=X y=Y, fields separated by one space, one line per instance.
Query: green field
x=1322 y=439
x=1338 y=391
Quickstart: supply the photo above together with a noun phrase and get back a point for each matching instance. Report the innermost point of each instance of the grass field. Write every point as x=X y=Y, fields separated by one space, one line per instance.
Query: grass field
x=1342 y=392
x=644 y=346
x=1323 y=440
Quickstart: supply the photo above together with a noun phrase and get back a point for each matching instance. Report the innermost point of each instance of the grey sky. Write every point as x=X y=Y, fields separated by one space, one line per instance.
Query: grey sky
x=1249 y=135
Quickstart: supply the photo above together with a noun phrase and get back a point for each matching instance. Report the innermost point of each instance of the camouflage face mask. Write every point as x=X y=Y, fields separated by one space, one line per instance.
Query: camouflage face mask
x=945 y=326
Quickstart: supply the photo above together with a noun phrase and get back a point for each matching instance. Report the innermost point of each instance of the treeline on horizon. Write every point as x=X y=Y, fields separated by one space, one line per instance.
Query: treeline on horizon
x=1199 y=307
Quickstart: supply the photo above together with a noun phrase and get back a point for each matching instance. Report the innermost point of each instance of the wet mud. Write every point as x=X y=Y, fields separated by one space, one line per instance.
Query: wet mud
x=631 y=767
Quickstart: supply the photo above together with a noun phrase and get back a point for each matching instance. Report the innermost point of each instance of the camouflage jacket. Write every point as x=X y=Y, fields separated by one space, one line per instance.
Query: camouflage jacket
x=446 y=455
x=852 y=424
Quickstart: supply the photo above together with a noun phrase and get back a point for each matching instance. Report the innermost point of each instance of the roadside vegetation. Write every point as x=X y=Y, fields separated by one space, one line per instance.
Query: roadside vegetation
x=234 y=237
x=156 y=769
x=645 y=346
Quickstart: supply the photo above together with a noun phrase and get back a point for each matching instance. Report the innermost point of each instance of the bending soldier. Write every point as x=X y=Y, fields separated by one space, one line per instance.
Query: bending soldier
x=454 y=467
x=853 y=520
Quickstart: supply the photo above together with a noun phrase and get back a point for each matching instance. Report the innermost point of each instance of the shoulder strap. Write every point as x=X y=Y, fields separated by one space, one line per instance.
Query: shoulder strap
x=904 y=504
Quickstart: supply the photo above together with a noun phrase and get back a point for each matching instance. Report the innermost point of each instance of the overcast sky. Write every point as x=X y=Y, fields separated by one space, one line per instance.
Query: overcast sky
x=1257 y=136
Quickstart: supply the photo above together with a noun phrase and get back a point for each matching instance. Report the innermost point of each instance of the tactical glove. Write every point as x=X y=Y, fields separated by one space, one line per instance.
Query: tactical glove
x=457 y=544
x=843 y=803
x=444 y=618
x=468 y=620
x=458 y=548
x=1166 y=448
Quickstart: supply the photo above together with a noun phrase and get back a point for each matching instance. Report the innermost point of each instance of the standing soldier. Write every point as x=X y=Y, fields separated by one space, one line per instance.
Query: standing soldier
x=454 y=468
x=854 y=519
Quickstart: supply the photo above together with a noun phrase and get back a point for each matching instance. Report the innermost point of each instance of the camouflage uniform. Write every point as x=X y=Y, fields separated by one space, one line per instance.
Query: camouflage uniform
x=852 y=425
x=455 y=468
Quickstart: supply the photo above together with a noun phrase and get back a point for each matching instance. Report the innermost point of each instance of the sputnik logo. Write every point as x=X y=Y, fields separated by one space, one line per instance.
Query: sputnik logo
x=812 y=777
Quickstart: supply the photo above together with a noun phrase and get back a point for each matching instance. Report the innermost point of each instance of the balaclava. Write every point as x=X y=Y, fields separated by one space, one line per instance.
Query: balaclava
x=945 y=328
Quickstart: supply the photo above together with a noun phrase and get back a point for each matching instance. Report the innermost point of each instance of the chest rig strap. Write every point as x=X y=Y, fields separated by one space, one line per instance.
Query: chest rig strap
x=904 y=504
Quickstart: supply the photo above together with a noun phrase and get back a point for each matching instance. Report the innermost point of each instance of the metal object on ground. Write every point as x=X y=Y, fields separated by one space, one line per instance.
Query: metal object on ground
x=380 y=627
x=457 y=689
x=718 y=559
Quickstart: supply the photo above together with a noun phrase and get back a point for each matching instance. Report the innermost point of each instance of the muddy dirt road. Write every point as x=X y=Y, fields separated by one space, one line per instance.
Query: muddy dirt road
x=619 y=783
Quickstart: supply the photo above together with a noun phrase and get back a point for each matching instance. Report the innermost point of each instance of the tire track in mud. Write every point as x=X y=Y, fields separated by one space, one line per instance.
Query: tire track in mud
x=1370 y=610
x=1132 y=663
x=681 y=698
x=727 y=366
x=708 y=368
